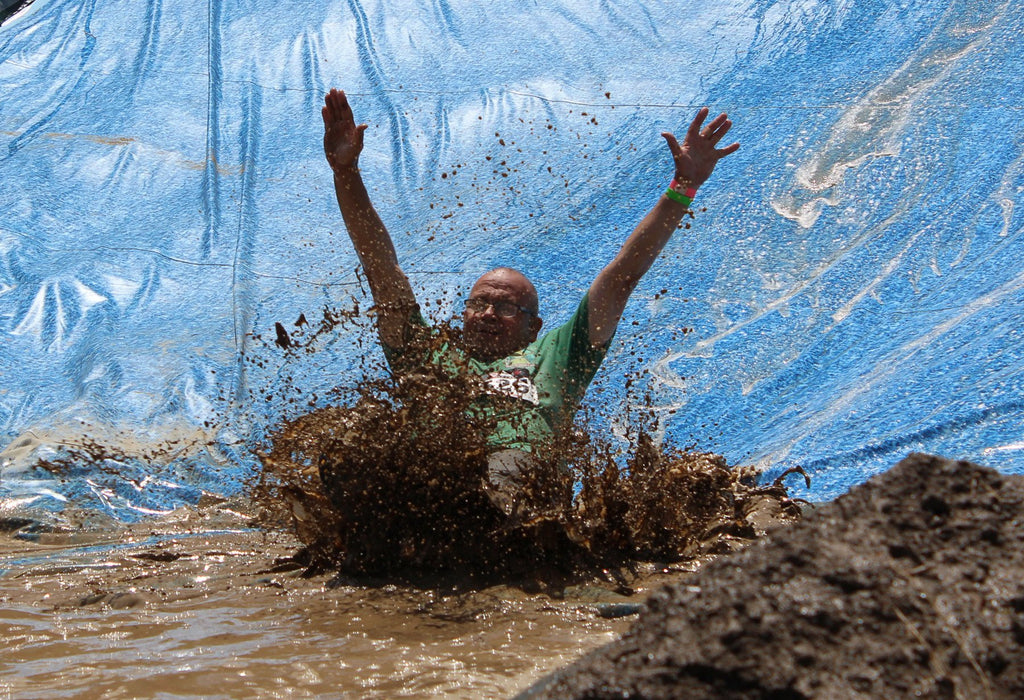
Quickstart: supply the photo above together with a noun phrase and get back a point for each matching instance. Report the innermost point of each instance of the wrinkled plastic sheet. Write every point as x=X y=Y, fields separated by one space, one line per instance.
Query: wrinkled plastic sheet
x=850 y=290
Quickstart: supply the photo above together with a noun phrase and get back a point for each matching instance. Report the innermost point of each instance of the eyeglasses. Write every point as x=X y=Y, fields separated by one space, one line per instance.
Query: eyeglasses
x=505 y=309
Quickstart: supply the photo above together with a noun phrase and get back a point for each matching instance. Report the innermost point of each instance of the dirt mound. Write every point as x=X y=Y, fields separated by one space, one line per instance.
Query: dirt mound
x=910 y=585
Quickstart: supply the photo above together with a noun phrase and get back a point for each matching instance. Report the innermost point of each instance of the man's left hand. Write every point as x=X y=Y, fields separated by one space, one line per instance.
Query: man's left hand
x=696 y=158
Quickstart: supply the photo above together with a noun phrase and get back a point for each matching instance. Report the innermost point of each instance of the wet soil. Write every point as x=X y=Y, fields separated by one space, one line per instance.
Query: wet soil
x=202 y=605
x=910 y=585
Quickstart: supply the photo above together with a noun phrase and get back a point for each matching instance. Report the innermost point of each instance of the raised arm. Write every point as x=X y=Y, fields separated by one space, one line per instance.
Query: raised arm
x=392 y=293
x=694 y=162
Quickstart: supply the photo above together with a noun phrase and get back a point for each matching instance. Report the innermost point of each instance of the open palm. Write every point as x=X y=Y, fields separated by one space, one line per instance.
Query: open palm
x=343 y=139
x=696 y=158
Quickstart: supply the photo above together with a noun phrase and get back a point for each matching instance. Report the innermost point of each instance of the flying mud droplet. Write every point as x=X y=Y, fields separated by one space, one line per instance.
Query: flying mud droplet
x=283 y=340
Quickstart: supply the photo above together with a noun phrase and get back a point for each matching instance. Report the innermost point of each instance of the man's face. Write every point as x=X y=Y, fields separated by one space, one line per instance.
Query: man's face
x=495 y=323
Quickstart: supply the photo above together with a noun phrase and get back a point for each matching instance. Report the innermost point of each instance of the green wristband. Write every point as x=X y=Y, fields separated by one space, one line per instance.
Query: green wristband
x=676 y=197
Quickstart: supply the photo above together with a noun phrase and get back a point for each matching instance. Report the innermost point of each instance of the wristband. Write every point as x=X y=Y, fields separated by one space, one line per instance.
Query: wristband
x=690 y=192
x=676 y=197
x=673 y=193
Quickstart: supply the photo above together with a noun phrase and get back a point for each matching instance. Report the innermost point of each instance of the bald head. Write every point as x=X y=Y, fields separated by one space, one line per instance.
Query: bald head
x=489 y=334
x=513 y=280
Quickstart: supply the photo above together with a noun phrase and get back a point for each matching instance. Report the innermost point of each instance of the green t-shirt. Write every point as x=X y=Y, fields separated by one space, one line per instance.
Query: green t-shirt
x=533 y=392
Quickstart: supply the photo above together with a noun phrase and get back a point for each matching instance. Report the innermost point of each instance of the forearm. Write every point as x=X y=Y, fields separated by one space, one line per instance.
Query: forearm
x=370 y=239
x=694 y=160
x=611 y=289
x=389 y=286
x=643 y=246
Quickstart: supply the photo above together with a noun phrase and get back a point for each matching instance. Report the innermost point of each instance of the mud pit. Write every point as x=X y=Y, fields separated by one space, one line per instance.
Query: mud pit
x=394 y=487
x=910 y=585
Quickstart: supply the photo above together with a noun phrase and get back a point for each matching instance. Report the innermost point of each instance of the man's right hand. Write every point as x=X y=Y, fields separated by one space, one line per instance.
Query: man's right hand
x=392 y=293
x=343 y=139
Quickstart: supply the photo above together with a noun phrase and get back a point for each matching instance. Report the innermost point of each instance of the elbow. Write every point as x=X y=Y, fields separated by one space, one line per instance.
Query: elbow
x=626 y=281
x=616 y=282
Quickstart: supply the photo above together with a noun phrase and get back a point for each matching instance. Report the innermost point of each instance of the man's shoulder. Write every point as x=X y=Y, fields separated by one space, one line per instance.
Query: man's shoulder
x=424 y=343
x=571 y=327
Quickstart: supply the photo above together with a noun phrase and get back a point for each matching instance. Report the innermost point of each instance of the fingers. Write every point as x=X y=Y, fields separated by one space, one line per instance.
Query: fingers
x=336 y=106
x=717 y=128
x=673 y=145
x=731 y=148
x=694 y=130
x=330 y=104
x=720 y=123
x=714 y=132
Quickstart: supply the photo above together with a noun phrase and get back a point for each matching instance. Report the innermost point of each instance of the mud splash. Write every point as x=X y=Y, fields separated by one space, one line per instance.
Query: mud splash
x=394 y=486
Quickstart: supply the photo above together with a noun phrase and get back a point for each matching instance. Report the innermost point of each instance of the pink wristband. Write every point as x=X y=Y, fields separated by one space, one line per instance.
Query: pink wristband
x=673 y=193
x=690 y=192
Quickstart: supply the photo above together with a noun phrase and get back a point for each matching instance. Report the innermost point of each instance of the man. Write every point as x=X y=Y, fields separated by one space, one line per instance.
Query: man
x=537 y=385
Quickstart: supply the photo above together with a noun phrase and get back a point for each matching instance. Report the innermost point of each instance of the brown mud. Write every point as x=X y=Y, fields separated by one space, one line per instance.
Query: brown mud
x=203 y=604
x=910 y=585
x=394 y=487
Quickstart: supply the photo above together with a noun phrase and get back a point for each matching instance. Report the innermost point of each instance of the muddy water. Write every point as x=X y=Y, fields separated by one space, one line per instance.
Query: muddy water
x=205 y=604
x=207 y=609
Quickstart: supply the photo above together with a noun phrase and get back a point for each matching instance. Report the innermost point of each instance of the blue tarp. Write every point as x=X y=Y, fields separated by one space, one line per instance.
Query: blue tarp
x=852 y=292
